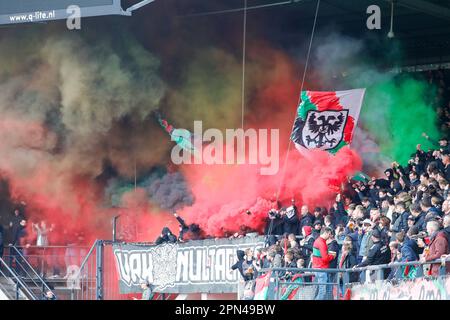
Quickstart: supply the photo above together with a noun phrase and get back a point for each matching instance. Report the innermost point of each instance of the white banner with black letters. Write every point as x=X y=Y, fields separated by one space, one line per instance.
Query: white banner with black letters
x=191 y=267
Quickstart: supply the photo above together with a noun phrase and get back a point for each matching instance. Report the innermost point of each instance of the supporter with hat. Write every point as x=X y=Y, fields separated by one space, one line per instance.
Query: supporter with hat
x=364 y=239
x=379 y=253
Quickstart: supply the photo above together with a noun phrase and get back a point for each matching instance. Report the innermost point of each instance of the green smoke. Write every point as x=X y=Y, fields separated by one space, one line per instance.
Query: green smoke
x=396 y=111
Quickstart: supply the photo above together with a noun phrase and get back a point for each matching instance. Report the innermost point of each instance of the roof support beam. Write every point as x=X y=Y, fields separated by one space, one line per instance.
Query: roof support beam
x=425 y=7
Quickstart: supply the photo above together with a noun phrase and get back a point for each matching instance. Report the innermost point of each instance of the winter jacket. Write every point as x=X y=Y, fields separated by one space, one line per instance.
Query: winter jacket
x=401 y=223
x=409 y=250
x=364 y=244
x=307 y=220
x=438 y=246
x=340 y=215
x=420 y=222
x=321 y=259
x=307 y=248
x=379 y=253
x=277 y=225
x=291 y=225
x=348 y=261
x=333 y=246
x=166 y=236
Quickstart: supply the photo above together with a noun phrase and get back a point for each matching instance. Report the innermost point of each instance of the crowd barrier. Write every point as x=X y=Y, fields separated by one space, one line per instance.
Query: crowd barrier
x=400 y=280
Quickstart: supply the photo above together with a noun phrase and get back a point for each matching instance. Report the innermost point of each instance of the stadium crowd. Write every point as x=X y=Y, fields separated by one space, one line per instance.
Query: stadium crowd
x=402 y=217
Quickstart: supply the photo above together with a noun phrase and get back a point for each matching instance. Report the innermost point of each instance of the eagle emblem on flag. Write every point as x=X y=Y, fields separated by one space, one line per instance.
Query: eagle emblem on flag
x=323 y=130
x=326 y=120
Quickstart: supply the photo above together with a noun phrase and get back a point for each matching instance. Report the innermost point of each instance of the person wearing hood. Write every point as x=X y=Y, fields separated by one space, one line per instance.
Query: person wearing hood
x=317 y=226
x=166 y=236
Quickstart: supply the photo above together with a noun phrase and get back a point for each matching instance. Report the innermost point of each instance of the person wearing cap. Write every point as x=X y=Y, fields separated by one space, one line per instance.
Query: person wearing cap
x=364 y=239
x=379 y=253
x=147 y=293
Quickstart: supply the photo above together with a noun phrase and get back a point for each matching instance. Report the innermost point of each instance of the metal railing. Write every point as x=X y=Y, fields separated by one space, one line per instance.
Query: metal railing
x=49 y=268
x=28 y=273
x=13 y=279
x=338 y=280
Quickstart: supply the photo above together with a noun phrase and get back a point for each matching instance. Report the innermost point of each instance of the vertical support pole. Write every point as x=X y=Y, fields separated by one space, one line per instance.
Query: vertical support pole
x=99 y=270
x=17 y=290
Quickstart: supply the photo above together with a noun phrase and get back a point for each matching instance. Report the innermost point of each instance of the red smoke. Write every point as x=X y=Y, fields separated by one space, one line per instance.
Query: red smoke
x=224 y=193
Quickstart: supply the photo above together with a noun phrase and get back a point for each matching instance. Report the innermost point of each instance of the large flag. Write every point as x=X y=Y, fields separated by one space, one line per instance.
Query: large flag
x=326 y=120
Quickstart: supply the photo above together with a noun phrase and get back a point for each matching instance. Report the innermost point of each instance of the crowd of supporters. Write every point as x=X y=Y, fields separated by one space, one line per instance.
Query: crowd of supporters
x=401 y=217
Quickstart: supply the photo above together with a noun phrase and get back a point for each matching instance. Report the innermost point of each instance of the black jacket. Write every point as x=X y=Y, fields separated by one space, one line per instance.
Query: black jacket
x=290 y=225
x=420 y=221
x=379 y=253
x=307 y=220
x=238 y=265
x=166 y=236
x=349 y=262
x=277 y=225
x=334 y=246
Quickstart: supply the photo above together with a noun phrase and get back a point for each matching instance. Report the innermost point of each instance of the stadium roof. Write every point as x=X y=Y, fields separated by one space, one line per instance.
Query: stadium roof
x=422 y=26
x=31 y=11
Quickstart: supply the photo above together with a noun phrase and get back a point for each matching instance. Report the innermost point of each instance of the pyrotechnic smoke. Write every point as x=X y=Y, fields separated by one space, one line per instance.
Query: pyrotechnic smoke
x=64 y=103
x=393 y=104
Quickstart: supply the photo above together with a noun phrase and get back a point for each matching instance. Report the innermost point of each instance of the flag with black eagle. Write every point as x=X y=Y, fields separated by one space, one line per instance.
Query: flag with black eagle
x=326 y=119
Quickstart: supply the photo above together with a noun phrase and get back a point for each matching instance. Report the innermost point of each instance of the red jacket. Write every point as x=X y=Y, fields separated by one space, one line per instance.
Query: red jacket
x=321 y=259
x=437 y=248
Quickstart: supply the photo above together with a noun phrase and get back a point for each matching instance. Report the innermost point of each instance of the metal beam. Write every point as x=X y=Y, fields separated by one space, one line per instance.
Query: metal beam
x=138 y=5
x=425 y=7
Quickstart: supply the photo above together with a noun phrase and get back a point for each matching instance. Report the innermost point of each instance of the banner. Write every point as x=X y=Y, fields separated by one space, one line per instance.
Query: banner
x=418 y=289
x=192 y=267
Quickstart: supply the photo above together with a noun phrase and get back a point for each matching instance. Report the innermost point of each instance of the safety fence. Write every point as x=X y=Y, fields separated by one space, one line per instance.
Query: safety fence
x=346 y=284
